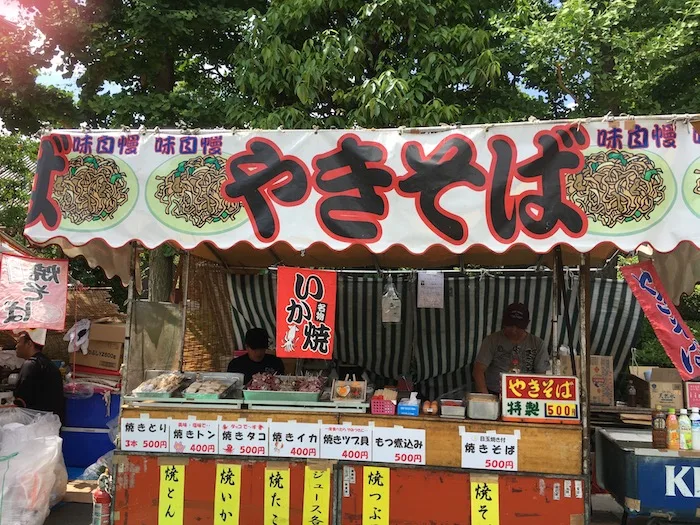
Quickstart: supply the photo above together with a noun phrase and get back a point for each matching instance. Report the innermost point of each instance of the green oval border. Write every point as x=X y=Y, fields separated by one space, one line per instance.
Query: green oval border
x=175 y=160
x=689 y=175
x=122 y=164
x=611 y=232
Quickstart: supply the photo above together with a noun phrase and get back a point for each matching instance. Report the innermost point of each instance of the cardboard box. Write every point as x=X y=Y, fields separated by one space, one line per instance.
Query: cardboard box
x=106 y=347
x=601 y=385
x=666 y=388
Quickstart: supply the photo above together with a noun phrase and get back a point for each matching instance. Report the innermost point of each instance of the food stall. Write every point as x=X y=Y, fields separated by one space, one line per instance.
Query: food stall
x=196 y=447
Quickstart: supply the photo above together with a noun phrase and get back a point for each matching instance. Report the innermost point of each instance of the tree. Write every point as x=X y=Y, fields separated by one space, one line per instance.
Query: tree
x=637 y=57
x=24 y=104
x=16 y=154
x=385 y=63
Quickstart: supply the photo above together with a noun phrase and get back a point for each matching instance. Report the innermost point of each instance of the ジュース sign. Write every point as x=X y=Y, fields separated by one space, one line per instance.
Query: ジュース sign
x=536 y=184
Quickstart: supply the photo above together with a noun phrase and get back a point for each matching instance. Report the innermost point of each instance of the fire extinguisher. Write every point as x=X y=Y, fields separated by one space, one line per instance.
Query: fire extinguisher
x=102 y=500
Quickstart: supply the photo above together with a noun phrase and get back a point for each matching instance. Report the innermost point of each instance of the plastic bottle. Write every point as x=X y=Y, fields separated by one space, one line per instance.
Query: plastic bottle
x=685 y=431
x=673 y=441
x=695 y=427
x=658 y=429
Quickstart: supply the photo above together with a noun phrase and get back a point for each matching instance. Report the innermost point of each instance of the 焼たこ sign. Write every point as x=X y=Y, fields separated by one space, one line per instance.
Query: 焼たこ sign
x=540 y=398
x=33 y=293
x=305 y=313
x=679 y=342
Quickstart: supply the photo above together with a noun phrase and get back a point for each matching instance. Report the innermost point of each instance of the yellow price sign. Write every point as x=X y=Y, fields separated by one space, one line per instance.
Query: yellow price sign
x=375 y=496
x=317 y=496
x=171 y=500
x=484 y=500
x=227 y=495
x=276 y=496
x=562 y=410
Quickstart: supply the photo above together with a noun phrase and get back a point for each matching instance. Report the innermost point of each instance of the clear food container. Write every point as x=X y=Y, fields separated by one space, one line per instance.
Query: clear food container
x=483 y=406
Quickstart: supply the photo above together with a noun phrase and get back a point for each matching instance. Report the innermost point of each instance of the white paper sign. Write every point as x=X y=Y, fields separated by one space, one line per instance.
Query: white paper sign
x=489 y=451
x=145 y=435
x=567 y=488
x=398 y=445
x=431 y=290
x=346 y=442
x=194 y=437
x=242 y=438
x=295 y=440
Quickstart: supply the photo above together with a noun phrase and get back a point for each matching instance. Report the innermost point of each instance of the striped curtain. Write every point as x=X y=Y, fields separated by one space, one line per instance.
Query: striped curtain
x=437 y=347
x=448 y=340
x=361 y=337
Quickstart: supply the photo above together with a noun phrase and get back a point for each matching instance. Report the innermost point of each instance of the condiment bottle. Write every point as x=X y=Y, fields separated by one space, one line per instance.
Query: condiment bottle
x=631 y=394
x=685 y=431
x=695 y=428
x=658 y=429
x=673 y=441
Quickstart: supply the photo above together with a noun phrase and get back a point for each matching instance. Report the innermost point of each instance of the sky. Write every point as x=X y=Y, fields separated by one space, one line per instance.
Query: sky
x=10 y=10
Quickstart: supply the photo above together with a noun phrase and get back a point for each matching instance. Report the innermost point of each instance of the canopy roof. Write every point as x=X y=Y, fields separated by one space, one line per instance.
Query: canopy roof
x=493 y=195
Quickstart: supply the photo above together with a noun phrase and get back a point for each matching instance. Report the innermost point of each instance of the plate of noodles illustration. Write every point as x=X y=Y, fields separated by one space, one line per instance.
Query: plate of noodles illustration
x=184 y=193
x=96 y=192
x=691 y=187
x=622 y=192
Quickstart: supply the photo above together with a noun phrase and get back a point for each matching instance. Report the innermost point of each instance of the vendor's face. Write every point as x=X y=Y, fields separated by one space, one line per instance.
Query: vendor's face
x=514 y=333
x=256 y=355
x=23 y=347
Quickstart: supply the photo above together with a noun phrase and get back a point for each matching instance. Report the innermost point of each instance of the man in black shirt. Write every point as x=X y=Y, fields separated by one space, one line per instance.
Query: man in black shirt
x=256 y=360
x=40 y=386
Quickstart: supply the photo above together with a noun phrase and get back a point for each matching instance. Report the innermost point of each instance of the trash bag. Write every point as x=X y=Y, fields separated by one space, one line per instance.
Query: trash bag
x=98 y=467
x=33 y=476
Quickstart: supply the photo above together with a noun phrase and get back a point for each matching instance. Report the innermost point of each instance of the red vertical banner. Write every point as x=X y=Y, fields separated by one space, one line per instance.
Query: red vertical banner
x=33 y=293
x=305 y=313
x=675 y=336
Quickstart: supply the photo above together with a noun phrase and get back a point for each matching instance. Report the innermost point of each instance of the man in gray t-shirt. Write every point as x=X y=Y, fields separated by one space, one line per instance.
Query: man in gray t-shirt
x=511 y=347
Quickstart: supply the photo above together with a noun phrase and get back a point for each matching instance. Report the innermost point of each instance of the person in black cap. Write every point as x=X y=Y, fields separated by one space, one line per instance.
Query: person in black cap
x=256 y=360
x=510 y=349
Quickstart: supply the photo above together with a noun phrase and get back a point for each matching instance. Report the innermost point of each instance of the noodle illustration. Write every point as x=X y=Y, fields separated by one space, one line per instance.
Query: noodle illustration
x=193 y=191
x=696 y=191
x=615 y=187
x=93 y=189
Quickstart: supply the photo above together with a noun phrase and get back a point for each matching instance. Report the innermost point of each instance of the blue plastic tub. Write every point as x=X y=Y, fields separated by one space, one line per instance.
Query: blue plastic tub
x=91 y=412
x=83 y=446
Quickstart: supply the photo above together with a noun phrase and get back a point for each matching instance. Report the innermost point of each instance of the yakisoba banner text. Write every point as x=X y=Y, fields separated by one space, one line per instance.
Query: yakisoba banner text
x=534 y=184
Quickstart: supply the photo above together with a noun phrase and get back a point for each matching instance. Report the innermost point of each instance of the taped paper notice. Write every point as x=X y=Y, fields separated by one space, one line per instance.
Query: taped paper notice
x=227 y=495
x=375 y=496
x=484 y=500
x=276 y=496
x=171 y=500
x=317 y=496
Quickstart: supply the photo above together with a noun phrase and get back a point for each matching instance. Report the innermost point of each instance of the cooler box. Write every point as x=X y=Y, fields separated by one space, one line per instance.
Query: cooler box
x=92 y=412
x=83 y=446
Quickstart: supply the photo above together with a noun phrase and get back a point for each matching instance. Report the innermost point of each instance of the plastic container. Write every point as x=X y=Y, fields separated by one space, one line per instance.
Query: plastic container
x=452 y=408
x=483 y=406
x=695 y=428
x=673 y=440
x=83 y=446
x=685 y=431
x=92 y=412
x=382 y=406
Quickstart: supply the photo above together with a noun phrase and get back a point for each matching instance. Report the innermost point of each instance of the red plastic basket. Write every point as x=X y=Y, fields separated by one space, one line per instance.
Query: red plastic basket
x=382 y=406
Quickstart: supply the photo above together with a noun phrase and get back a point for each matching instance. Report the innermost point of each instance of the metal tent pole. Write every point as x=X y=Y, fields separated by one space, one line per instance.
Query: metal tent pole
x=585 y=340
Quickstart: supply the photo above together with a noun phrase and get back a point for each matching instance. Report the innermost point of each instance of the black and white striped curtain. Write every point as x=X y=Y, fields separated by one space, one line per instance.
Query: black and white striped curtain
x=437 y=347
x=362 y=339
